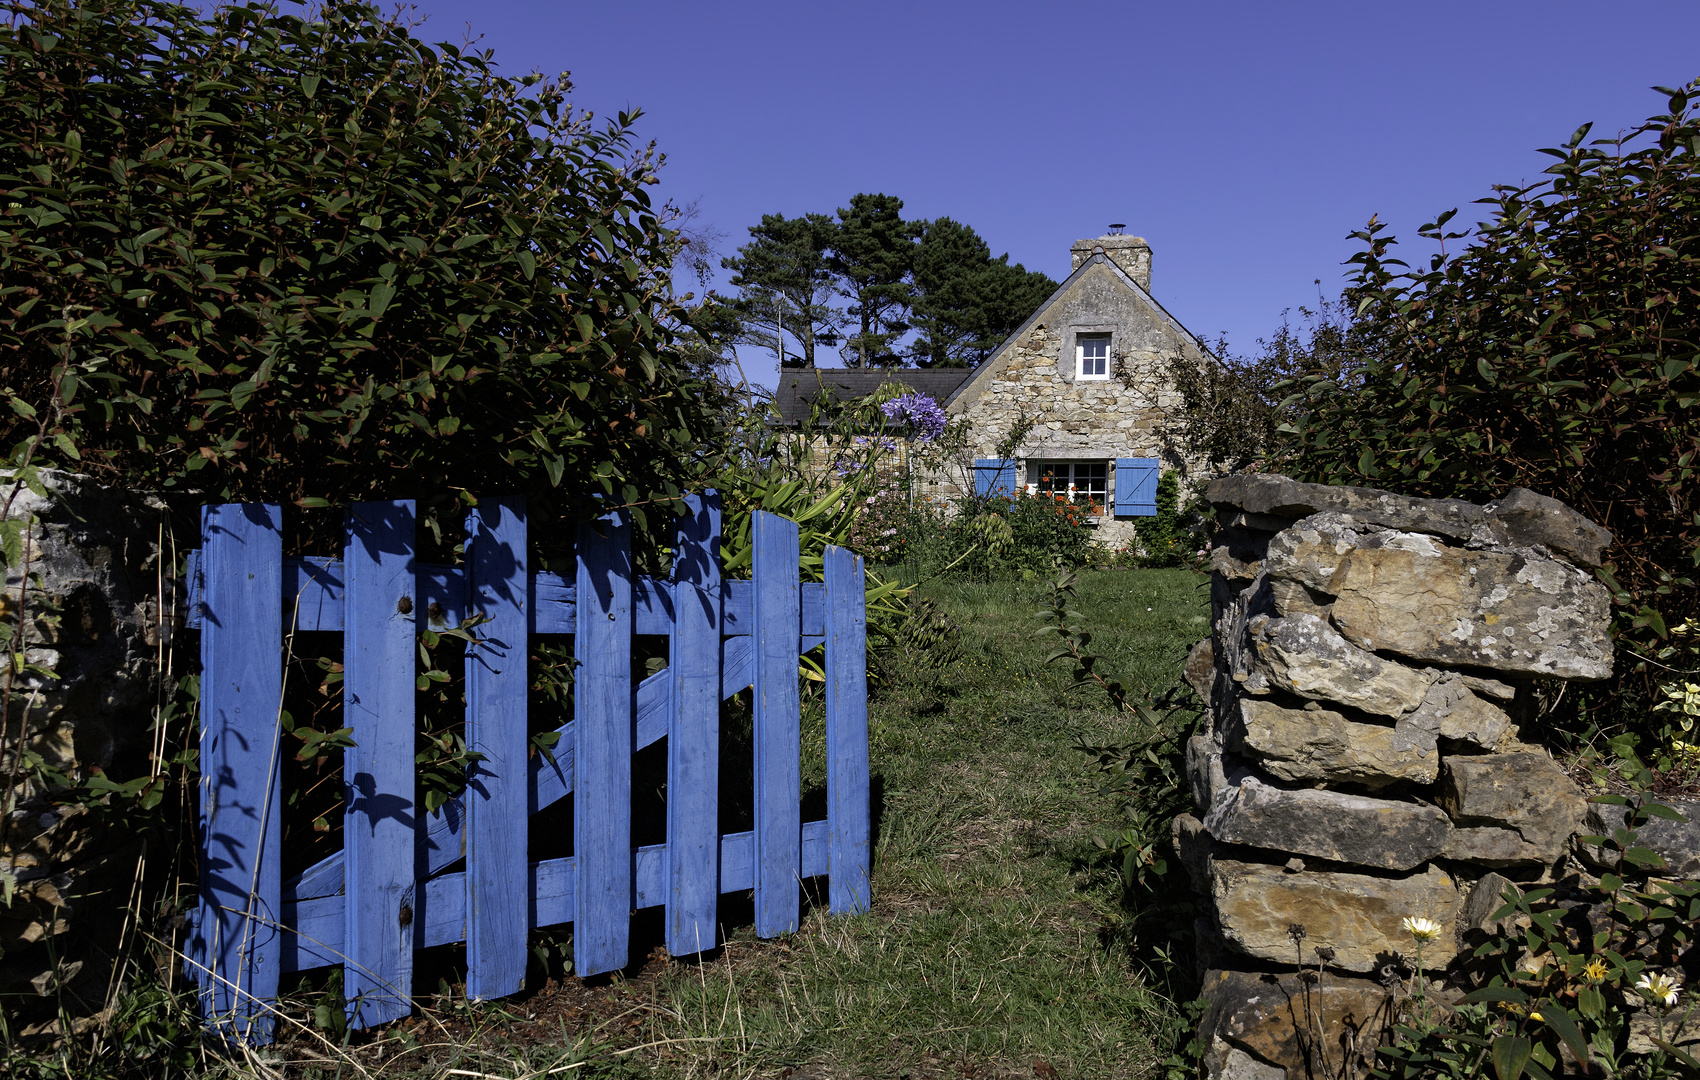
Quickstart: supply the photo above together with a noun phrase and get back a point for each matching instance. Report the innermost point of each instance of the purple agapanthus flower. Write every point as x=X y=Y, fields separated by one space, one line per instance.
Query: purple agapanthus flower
x=921 y=412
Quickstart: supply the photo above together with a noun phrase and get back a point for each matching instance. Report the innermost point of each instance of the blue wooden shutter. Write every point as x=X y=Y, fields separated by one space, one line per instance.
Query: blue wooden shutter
x=996 y=476
x=1136 y=487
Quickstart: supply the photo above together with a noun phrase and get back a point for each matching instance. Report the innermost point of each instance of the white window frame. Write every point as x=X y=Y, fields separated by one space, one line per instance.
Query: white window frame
x=1080 y=372
x=1105 y=498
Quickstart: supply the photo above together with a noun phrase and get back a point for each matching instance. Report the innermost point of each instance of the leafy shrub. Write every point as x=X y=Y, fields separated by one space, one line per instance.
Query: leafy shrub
x=1557 y=351
x=1165 y=540
x=1003 y=533
x=262 y=256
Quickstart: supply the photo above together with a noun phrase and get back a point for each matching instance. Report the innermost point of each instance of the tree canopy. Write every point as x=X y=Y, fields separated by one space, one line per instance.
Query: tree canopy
x=937 y=278
x=259 y=255
x=967 y=302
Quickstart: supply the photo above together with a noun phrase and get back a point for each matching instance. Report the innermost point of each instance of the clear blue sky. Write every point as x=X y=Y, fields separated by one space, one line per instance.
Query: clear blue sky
x=1243 y=140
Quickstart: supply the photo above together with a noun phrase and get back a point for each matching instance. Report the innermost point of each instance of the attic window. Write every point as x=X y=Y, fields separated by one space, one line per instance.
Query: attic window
x=1092 y=356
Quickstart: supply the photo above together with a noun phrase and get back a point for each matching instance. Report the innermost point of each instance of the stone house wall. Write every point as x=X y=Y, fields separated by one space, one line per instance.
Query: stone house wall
x=1034 y=374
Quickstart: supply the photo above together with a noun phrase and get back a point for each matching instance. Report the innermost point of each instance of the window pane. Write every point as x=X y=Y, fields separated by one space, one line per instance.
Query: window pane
x=1094 y=355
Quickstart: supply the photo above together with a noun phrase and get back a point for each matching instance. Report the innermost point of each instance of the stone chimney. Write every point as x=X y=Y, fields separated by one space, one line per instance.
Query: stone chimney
x=1131 y=253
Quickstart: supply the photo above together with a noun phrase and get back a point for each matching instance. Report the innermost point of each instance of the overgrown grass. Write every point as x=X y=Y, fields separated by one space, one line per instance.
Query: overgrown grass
x=997 y=937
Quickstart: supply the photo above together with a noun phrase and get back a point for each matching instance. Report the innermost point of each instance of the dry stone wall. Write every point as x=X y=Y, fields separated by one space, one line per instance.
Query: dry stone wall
x=99 y=613
x=1372 y=661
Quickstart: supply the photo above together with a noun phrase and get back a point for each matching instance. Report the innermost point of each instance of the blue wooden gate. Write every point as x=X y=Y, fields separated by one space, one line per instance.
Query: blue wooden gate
x=388 y=891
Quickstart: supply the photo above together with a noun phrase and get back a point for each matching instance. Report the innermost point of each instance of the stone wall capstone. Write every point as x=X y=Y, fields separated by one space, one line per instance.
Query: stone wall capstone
x=1371 y=659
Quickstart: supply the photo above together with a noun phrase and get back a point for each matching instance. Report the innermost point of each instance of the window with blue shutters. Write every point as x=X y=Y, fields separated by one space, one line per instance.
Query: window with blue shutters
x=1136 y=487
x=1084 y=483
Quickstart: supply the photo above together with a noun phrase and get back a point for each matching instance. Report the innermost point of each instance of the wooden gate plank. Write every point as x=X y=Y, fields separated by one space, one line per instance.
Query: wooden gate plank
x=236 y=947
x=846 y=732
x=378 y=830
x=602 y=759
x=693 y=737
x=778 y=773
x=497 y=881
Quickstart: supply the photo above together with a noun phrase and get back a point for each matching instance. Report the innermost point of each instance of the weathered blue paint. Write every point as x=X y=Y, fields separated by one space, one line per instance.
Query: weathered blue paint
x=724 y=636
x=693 y=735
x=235 y=951
x=602 y=759
x=496 y=680
x=848 y=856
x=777 y=728
x=314 y=585
x=317 y=924
x=1136 y=487
x=378 y=664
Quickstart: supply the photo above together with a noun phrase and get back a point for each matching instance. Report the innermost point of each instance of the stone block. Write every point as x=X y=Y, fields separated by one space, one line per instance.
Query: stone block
x=1498 y=848
x=1291 y=598
x=1681 y=1029
x=1310 y=551
x=1492 y=688
x=1303 y=655
x=1355 y=916
x=1304 y=1025
x=1225 y=1061
x=1377 y=833
x=1523 y=790
x=1193 y=846
x=1269 y=493
x=1677 y=841
x=1486 y=897
x=1524 y=518
x=1453 y=711
x=1238 y=554
x=1320 y=745
x=1426 y=601
x=1205 y=774
x=1200 y=669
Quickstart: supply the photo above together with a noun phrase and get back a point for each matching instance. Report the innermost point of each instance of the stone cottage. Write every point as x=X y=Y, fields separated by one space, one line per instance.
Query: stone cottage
x=1088 y=369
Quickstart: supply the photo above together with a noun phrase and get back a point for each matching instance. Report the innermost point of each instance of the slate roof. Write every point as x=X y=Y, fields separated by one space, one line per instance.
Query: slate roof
x=799 y=386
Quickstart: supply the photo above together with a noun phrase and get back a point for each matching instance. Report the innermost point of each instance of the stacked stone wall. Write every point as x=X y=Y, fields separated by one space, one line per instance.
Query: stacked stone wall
x=1375 y=667
x=99 y=612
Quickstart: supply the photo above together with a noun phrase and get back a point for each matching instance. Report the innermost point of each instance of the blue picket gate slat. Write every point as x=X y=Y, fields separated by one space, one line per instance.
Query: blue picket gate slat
x=378 y=770
x=602 y=726
x=497 y=907
x=777 y=725
x=693 y=735
x=387 y=893
x=847 y=809
x=236 y=951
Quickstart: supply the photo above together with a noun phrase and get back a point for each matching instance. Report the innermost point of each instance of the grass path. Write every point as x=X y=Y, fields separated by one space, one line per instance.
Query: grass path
x=992 y=949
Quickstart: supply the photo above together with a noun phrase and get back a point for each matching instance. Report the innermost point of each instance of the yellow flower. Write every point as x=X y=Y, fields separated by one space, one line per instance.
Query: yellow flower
x=1536 y=1016
x=1420 y=928
x=1594 y=970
